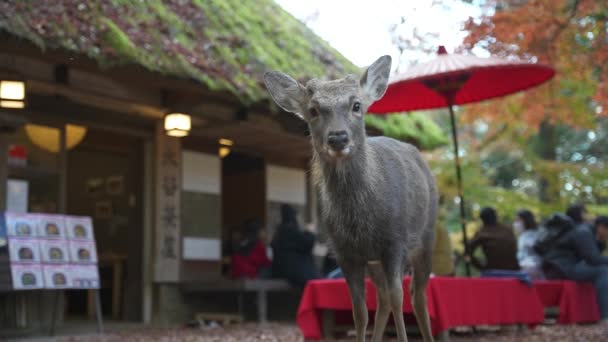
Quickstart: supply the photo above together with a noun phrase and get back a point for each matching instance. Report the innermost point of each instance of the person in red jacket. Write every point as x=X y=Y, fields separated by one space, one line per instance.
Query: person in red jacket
x=250 y=258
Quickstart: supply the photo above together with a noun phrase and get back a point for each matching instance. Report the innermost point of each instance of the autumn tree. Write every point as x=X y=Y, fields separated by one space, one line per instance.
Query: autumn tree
x=570 y=35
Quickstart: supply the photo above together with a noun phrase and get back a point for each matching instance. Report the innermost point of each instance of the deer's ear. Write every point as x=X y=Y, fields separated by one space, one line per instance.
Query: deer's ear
x=375 y=79
x=286 y=92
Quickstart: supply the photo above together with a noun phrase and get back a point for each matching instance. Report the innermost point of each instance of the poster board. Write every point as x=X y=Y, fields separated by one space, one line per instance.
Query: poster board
x=51 y=251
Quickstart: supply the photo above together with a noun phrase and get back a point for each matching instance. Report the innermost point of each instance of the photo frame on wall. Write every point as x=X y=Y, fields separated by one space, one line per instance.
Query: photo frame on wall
x=103 y=210
x=115 y=185
x=94 y=186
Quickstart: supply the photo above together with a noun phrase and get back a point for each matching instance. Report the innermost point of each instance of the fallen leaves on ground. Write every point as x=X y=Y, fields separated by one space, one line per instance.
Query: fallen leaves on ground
x=288 y=333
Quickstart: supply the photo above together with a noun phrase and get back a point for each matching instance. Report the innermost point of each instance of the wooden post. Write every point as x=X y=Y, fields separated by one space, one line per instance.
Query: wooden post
x=168 y=193
x=3 y=170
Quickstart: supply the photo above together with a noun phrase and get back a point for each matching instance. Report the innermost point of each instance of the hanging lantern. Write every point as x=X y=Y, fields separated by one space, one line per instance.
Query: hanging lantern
x=224 y=148
x=12 y=94
x=177 y=124
x=48 y=138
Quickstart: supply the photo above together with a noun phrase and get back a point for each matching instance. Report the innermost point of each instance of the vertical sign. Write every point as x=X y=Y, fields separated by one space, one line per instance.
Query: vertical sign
x=168 y=185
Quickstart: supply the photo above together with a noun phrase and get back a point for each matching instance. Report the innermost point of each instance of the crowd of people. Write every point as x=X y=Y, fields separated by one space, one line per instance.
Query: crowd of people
x=565 y=246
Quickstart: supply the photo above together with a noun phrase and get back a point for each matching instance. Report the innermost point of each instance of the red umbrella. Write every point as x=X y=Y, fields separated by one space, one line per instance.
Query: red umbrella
x=455 y=79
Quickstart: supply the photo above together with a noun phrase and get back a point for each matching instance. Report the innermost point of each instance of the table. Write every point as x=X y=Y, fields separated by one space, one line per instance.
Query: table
x=451 y=302
x=576 y=301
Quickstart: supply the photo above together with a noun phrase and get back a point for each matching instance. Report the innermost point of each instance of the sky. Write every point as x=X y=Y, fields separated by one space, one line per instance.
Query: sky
x=360 y=29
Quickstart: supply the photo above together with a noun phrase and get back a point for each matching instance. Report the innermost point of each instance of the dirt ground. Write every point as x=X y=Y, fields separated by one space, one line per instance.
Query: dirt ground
x=284 y=332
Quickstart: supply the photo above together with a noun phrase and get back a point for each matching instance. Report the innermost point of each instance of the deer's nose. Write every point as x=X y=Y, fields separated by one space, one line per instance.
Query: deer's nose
x=337 y=140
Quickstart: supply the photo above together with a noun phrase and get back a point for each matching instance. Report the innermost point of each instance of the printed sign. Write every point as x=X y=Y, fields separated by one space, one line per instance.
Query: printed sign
x=24 y=250
x=57 y=276
x=79 y=228
x=51 y=226
x=54 y=251
x=50 y=251
x=85 y=277
x=21 y=225
x=27 y=277
x=83 y=252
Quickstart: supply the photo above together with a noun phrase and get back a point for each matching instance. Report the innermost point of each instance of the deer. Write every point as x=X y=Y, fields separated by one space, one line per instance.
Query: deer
x=378 y=198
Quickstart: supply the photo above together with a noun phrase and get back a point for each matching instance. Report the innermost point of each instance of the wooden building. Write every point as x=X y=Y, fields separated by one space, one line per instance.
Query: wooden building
x=100 y=78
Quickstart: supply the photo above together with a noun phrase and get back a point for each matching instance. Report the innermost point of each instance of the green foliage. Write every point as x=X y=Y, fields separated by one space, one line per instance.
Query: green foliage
x=416 y=128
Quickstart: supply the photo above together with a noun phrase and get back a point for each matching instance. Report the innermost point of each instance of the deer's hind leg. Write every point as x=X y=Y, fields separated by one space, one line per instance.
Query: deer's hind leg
x=421 y=270
x=383 y=310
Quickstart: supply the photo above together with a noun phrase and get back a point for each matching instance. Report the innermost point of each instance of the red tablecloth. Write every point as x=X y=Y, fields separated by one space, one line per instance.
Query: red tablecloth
x=451 y=301
x=576 y=301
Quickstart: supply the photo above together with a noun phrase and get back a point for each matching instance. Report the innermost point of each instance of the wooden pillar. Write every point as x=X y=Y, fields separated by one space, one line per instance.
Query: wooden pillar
x=149 y=202
x=168 y=185
x=3 y=170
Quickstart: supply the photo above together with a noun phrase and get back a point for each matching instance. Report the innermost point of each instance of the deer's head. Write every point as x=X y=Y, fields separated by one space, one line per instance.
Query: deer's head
x=333 y=109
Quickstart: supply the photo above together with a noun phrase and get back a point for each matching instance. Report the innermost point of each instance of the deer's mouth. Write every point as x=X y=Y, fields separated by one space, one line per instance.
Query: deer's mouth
x=339 y=153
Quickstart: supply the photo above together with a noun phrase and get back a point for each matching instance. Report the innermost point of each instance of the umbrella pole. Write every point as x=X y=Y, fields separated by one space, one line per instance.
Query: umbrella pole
x=460 y=195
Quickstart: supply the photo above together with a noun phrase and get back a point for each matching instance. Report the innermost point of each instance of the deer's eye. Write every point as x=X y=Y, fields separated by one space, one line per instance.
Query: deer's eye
x=356 y=107
x=313 y=113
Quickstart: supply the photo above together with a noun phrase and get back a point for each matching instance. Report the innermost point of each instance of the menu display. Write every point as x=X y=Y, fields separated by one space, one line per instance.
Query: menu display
x=51 y=251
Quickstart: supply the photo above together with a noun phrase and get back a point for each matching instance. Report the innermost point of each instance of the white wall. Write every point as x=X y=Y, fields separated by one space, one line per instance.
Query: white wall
x=285 y=185
x=201 y=172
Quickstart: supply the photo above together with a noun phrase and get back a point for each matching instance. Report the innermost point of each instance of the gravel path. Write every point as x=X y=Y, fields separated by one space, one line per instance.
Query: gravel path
x=287 y=333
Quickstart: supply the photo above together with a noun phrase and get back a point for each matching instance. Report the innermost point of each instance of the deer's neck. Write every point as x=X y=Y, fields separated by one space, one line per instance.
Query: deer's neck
x=347 y=176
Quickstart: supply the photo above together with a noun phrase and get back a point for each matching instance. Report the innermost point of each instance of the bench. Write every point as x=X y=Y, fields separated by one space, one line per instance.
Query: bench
x=260 y=287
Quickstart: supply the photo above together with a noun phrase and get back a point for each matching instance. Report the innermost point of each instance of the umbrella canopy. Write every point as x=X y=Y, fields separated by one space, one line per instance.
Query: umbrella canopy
x=452 y=80
x=458 y=79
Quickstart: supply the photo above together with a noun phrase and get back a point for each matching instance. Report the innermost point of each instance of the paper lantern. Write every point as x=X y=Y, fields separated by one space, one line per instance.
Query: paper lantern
x=177 y=124
x=12 y=94
x=48 y=138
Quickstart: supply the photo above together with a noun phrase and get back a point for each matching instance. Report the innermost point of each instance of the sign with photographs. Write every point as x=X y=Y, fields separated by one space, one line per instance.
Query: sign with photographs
x=51 y=251
x=27 y=276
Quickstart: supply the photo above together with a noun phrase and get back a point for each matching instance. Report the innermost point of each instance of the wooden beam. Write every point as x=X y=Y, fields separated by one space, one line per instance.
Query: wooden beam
x=100 y=101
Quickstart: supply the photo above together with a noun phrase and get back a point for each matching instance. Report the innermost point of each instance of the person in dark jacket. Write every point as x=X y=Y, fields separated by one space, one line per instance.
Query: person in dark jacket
x=600 y=230
x=498 y=243
x=575 y=255
x=292 y=250
x=578 y=214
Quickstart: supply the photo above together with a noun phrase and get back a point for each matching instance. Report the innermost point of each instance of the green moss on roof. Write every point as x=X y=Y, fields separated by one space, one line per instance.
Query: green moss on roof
x=224 y=44
x=416 y=128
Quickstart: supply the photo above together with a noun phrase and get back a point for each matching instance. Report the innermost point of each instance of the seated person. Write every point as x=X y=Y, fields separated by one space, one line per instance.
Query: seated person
x=527 y=229
x=442 y=262
x=578 y=214
x=573 y=254
x=292 y=250
x=600 y=230
x=497 y=242
x=249 y=259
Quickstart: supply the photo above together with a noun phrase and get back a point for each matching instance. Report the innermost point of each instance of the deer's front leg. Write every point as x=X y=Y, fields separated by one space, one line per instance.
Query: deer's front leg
x=355 y=278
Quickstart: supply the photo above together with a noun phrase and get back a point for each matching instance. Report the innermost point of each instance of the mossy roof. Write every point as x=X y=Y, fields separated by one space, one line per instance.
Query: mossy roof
x=224 y=44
